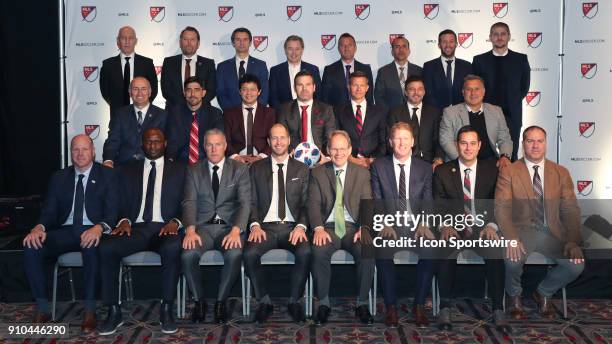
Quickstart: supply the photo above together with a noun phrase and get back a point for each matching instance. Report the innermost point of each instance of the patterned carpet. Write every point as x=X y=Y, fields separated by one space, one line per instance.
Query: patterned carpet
x=589 y=321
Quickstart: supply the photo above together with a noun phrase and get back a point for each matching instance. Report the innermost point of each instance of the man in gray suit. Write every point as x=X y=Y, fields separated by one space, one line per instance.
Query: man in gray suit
x=390 y=80
x=216 y=205
x=487 y=119
x=335 y=192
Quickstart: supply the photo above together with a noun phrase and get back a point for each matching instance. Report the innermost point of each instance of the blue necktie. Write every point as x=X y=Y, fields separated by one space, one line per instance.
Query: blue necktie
x=79 y=202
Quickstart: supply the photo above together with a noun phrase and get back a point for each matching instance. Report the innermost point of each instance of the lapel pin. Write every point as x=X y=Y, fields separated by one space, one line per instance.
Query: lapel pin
x=93 y=181
x=454 y=170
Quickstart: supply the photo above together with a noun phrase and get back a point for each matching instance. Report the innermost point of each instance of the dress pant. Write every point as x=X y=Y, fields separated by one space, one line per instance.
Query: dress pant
x=321 y=262
x=277 y=236
x=144 y=237
x=212 y=235
x=59 y=241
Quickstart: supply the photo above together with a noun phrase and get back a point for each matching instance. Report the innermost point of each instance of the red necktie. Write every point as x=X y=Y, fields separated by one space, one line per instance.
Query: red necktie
x=304 y=123
x=194 y=150
x=359 y=118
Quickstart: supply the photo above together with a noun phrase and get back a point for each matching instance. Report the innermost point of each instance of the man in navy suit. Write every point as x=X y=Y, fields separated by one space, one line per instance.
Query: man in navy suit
x=231 y=70
x=444 y=75
x=126 y=127
x=399 y=184
x=336 y=75
x=81 y=203
x=187 y=123
x=180 y=67
x=150 y=215
x=283 y=75
x=391 y=78
x=118 y=71
x=506 y=74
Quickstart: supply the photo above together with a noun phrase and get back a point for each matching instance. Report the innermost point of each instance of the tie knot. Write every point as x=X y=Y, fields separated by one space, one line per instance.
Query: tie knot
x=250 y=109
x=215 y=168
x=348 y=67
x=468 y=170
x=304 y=107
x=194 y=114
x=358 y=107
x=139 y=113
x=242 y=63
x=536 y=167
x=81 y=176
x=153 y=163
x=449 y=61
x=280 y=166
x=127 y=58
x=401 y=69
x=188 y=60
x=338 y=172
x=401 y=166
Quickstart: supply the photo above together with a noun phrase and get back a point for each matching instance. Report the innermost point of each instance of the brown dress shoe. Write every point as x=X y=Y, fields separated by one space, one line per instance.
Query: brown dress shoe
x=89 y=322
x=420 y=317
x=545 y=307
x=391 y=319
x=41 y=318
x=516 y=307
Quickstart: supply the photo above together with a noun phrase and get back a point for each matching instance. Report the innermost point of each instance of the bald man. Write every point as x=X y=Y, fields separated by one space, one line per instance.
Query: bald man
x=81 y=203
x=118 y=71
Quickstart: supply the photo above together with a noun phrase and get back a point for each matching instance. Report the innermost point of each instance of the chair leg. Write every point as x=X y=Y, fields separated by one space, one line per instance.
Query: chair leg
x=130 y=283
x=248 y=296
x=183 y=296
x=120 y=280
x=71 y=284
x=311 y=297
x=486 y=292
x=375 y=290
x=563 y=292
x=54 y=298
x=178 y=299
x=434 y=296
x=306 y=294
x=244 y=301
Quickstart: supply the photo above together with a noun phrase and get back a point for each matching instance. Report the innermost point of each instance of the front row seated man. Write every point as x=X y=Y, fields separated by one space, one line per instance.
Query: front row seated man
x=152 y=191
x=216 y=206
x=81 y=203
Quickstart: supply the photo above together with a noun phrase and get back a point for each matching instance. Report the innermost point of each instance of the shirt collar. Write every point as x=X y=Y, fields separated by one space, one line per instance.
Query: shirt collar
x=462 y=167
x=407 y=162
x=220 y=164
x=530 y=165
x=158 y=162
x=497 y=54
x=446 y=58
x=246 y=60
x=86 y=172
x=294 y=66
x=123 y=56
x=397 y=65
x=343 y=167
x=363 y=103
x=309 y=103
x=274 y=162
x=144 y=109
x=254 y=106
x=419 y=105
x=470 y=110
x=192 y=57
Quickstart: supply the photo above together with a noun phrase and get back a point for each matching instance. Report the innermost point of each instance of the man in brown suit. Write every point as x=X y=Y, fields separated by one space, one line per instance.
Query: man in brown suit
x=535 y=204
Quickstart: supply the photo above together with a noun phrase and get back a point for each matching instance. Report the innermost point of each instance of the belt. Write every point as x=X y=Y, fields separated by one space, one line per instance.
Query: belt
x=280 y=223
x=214 y=221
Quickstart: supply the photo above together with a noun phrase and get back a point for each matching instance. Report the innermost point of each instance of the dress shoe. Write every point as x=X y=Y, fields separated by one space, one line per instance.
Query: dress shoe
x=363 y=313
x=444 y=321
x=41 y=318
x=516 y=307
x=420 y=316
x=545 y=307
x=264 y=310
x=168 y=325
x=220 y=312
x=322 y=314
x=501 y=324
x=198 y=314
x=391 y=318
x=89 y=322
x=296 y=312
x=113 y=321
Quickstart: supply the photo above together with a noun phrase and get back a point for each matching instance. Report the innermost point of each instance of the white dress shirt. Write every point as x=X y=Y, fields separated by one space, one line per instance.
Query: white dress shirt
x=530 y=166
x=364 y=105
x=419 y=109
x=246 y=63
x=445 y=66
x=472 y=168
x=192 y=65
x=309 y=111
x=159 y=175
x=344 y=64
x=245 y=117
x=144 y=110
x=272 y=215
x=469 y=109
x=397 y=170
x=219 y=173
x=86 y=221
x=398 y=69
x=497 y=54
x=347 y=216
x=293 y=70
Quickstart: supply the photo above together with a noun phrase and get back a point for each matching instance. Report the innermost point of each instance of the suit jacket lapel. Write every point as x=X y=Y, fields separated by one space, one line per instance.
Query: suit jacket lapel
x=349 y=184
x=139 y=178
x=285 y=75
x=549 y=180
x=390 y=171
x=526 y=180
x=490 y=128
x=329 y=169
x=457 y=182
x=464 y=116
x=228 y=170
x=267 y=175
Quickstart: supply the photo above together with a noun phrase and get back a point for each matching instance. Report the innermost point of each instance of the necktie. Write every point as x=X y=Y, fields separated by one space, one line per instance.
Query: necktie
x=215 y=181
x=187 y=69
x=249 y=131
x=241 y=70
x=472 y=113
x=194 y=139
x=402 y=188
x=126 y=82
x=359 y=118
x=147 y=214
x=449 y=73
x=414 y=118
x=467 y=197
x=402 y=77
x=79 y=201
x=339 y=222
x=304 y=123
x=539 y=193
x=347 y=74
x=139 y=121
x=281 y=193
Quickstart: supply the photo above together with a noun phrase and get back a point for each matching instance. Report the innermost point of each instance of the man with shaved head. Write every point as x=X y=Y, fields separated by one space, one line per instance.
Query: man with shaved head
x=81 y=203
x=118 y=71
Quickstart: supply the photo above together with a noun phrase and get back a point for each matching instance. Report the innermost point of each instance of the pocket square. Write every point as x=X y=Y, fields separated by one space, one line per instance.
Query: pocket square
x=298 y=178
x=230 y=185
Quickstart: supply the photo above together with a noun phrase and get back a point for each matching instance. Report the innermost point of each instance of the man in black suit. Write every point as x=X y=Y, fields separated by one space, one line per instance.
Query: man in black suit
x=189 y=121
x=176 y=69
x=444 y=75
x=424 y=119
x=278 y=220
x=150 y=221
x=506 y=74
x=336 y=75
x=118 y=71
x=463 y=186
x=391 y=78
x=126 y=127
x=364 y=122
x=283 y=75
x=81 y=204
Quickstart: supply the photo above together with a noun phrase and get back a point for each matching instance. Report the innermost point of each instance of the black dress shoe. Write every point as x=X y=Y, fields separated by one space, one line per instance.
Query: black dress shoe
x=198 y=314
x=113 y=321
x=264 y=310
x=296 y=312
x=166 y=319
x=220 y=312
x=363 y=313
x=322 y=314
